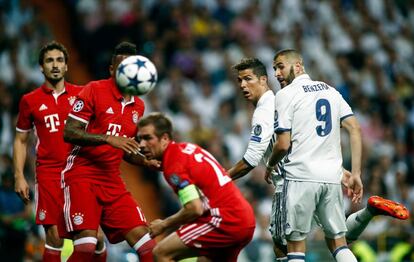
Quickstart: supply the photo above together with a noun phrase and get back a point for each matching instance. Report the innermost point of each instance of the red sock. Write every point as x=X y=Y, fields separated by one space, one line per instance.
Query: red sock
x=83 y=250
x=51 y=254
x=144 y=248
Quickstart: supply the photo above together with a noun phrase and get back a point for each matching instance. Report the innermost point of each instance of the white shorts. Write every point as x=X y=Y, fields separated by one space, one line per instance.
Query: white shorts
x=308 y=200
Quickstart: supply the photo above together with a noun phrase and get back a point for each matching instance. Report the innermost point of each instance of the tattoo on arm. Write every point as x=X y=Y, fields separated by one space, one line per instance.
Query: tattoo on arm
x=75 y=133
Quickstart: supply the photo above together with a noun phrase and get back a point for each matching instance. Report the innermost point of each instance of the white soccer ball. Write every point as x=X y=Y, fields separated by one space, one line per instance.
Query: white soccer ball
x=136 y=75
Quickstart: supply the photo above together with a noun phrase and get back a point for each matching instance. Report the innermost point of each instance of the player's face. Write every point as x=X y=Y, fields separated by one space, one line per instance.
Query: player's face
x=284 y=70
x=54 y=66
x=251 y=85
x=115 y=63
x=150 y=145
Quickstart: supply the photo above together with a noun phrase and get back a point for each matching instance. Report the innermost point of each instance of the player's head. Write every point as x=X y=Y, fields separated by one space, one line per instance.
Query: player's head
x=252 y=78
x=53 y=58
x=154 y=134
x=121 y=51
x=288 y=64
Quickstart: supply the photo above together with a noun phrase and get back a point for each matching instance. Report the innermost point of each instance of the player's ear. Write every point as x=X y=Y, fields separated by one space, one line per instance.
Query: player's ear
x=41 y=69
x=111 y=69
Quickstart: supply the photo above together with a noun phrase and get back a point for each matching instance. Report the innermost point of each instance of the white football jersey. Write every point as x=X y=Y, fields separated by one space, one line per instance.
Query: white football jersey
x=312 y=111
x=261 y=138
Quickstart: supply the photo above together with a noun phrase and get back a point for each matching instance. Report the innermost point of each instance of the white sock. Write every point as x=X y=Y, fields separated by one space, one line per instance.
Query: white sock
x=356 y=223
x=281 y=259
x=296 y=257
x=343 y=254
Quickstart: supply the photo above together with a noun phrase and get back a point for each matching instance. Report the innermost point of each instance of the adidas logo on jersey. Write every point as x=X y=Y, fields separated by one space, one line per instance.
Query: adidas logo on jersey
x=42 y=107
x=110 y=110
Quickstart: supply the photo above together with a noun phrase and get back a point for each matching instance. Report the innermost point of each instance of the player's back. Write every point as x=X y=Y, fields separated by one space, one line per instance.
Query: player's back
x=314 y=110
x=186 y=163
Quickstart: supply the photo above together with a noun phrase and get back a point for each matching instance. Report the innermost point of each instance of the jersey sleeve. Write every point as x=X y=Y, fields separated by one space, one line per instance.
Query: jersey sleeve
x=24 y=119
x=344 y=108
x=176 y=174
x=283 y=112
x=260 y=136
x=82 y=109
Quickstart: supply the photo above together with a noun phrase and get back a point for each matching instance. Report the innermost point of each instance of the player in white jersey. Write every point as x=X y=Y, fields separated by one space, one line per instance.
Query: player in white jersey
x=308 y=118
x=252 y=78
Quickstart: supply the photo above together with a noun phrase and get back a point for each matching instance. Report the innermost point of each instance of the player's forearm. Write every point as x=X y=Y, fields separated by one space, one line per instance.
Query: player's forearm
x=19 y=158
x=277 y=154
x=187 y=214
x=356 y=151
x=75 y=133
x=239 y=170
x=136 y=159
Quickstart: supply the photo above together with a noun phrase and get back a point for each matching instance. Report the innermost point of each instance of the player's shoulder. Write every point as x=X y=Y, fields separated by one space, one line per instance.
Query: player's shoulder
x=33 y=94
x=72 y=88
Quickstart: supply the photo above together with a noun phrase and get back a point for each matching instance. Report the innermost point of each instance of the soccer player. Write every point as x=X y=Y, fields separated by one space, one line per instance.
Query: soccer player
x=308 y=118
x=102 y=126
x=215 y=221
x=45 y=109
x=252 y=79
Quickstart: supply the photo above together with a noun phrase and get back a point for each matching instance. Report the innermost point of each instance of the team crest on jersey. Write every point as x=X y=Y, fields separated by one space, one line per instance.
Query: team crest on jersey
x=42 y=214
x=135 y=117
x=78 y=106
x=257 y=130
x=276 y=122
x=71 y=100
x=175 y=180
x=77 y=218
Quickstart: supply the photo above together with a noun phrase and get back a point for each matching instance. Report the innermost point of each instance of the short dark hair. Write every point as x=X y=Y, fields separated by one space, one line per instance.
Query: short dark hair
x=162 y=124
x=124 y=48
x=255 y=64
x=52 y=46
x=288 y=52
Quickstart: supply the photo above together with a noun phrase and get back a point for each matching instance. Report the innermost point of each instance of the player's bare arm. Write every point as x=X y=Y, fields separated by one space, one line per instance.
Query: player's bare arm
x=355 y=184
x=19 y=157
x=75 y=133
x=187 y=214
x=280 y=149
x=137 y=158
x=239 y=170
x=192 y=208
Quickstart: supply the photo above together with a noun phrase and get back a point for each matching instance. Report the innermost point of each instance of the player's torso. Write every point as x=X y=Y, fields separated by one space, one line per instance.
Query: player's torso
x=204 y=171
x=111 y=116
x=49 y=113
x=315 y=153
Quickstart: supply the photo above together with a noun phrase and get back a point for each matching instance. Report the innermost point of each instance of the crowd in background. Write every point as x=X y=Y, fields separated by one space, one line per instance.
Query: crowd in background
x=363 y=48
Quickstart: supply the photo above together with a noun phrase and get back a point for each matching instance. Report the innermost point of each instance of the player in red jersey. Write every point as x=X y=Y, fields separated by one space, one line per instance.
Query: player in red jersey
x=215 y=222
x=102 y=126
x=45 y=109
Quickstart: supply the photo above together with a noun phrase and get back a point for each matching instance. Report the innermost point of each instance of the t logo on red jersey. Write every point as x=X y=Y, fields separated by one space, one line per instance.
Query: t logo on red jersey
x=113 y=130
x=52 y=122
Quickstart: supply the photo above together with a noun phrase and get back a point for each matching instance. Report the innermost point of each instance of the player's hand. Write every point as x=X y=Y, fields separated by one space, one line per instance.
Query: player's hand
x=345 y=178
x=22 y=189
x=128 y=145
x=153 y=164
x=355 y=188
x=268 y=175
x=156 y=227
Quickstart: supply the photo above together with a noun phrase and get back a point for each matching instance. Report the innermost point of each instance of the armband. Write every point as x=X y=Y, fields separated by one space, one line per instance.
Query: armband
x=187 y=194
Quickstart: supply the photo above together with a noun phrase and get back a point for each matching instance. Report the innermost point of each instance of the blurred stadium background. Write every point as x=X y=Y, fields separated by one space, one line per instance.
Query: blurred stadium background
x=365 y=48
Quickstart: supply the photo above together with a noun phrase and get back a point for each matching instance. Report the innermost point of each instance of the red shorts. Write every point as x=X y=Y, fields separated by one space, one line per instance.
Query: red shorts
x=88 y=206
x=49 y=202
x=216 y=237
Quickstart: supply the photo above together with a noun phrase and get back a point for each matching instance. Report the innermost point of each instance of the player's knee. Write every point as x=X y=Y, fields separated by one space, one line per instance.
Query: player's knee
x=52 y=237
x=159 y=251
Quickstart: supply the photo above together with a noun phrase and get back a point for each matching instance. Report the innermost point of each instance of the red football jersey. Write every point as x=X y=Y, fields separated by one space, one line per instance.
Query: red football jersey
x=185 y=163
x=101 y=106
x=47 y=113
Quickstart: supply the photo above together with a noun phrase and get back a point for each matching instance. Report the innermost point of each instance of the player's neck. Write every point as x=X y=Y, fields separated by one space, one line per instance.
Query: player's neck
x=56 y=87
